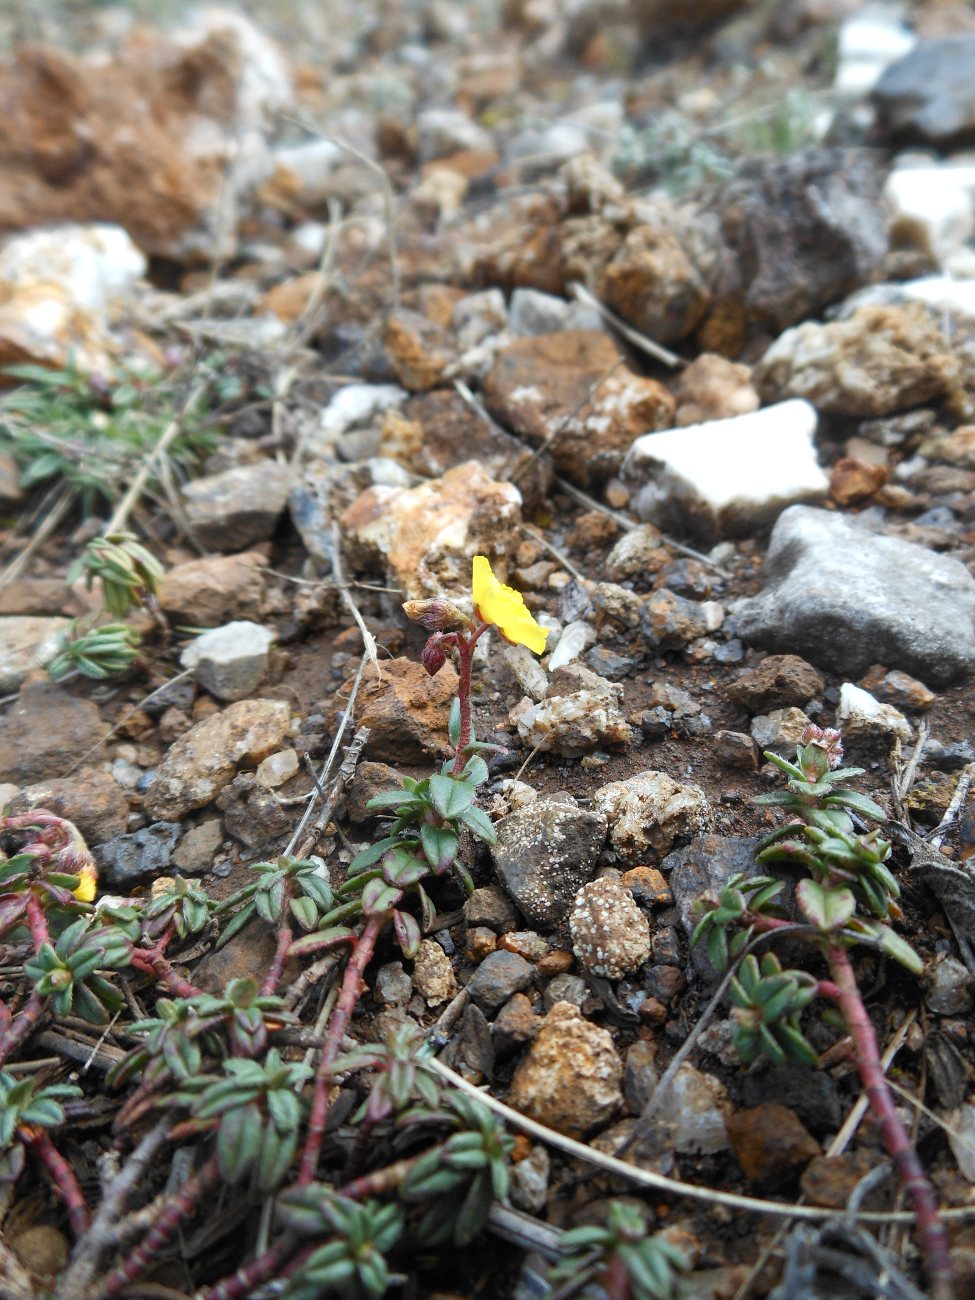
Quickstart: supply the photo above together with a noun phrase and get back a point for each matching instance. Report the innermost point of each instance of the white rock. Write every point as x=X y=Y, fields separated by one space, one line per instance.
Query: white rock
x=867 y=45
x=932 y=207
x=694 y=1111
x=728 y=476
x=27 y=641
x=230 y=661
x=647 y=812
x=532 y=312
x=92 y=265
x=277 y=768
x=479 y=316
x=581 y=712
x=443 y=131
x=353 y=404
x=864 y=720
x=961 y=1137
x=576 y=637
x=527 y=671
x=311 y=164
x=942 y=292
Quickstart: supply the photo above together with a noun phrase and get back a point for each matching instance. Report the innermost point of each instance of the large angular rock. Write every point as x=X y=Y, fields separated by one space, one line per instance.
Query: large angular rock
x=799 y=233
x=571 y=1078
x=174 y=166
x=238 y=507
x=204 y=760
x=407 y=712
x=928 y=96
x=880 y=361
x=27 y=641
x=425 y=536
x=648 y=812
x=214 y=589
x=846 y=598
x=46 y=732
x=653 y=283
x=581 y=712
x=728 y=477
x=544 y=853
x=562 y=390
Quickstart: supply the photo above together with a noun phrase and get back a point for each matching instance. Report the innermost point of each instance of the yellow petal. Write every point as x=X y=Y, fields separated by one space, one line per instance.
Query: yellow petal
x=504 y=608
x=87 y=883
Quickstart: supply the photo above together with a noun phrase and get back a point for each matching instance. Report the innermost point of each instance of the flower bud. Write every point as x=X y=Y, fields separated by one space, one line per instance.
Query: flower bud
x=437 y=615
x=434 y=654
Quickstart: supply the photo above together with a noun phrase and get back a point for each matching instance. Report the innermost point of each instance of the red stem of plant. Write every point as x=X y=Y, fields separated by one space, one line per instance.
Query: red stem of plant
x=151 y=962
x=37 y=921
x=344 y=1007
x=912 y=1176
x=63 y=1178
x=180 y=1207
x=250 y=1276
x=277 y=962
x=380 y=1180
x=465 y=653
x=616 y=1280
x=17 y=1029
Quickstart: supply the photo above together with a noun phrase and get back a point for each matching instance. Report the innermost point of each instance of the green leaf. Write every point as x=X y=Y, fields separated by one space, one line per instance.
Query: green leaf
x=826 y=907
x=857 y=802
x=450 y=797
x=479 y=822
x=305 y=912
x=897 y=948
x=453 y=725
x=439 y=845
x=475 y=770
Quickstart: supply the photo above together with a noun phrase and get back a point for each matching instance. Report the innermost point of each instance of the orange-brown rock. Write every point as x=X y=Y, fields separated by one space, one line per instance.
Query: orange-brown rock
x=425 y=536
x=570 y=1080
x=407 y=711
x=418 y=348
x=572 y=391
x=291 y=299
x=141 y=139
x=653 y=284
x=771 y=1143
x=215 y=589
x=852 y=481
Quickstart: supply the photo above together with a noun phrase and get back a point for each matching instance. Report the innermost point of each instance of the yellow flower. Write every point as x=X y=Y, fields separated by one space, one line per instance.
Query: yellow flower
x=505 y=608
x=87 y=883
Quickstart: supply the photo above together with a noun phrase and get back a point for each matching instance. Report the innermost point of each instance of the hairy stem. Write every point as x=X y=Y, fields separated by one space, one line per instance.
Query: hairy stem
x=250 y=1276
x=39 y=933
x=277 y=961
x=63 y=1177
x=465 y=652
x=179 y=1208
x=912 y=1176
x=344 y=1007
x=152 y=962
x=16 y=1029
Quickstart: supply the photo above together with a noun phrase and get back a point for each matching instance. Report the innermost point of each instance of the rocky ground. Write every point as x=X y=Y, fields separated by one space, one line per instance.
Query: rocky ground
x=675 y=322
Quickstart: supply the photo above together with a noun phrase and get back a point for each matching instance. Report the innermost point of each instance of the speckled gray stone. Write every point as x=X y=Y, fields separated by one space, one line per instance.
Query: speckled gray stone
x=544 y=853
x=847 y=598
x=610 y=935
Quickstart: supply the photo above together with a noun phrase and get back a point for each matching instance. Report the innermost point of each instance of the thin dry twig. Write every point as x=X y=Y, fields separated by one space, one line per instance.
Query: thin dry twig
x=639 y=341
x=368 y=640
x=659 y=1182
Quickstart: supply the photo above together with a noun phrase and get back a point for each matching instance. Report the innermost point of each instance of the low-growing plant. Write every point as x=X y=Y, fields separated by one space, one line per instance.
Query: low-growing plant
x=846 y=896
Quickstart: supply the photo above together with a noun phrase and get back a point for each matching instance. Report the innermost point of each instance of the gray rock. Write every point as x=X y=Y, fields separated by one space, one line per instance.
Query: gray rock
x=706 y=865
x=799 y=233
x=847 y=598
x=232 y=510
x=812 y=1094
x=145 y=852
x=780 y=731
x=928 y=96
x=565 y=988
x=491 y=907
x=393 y=986
x=198 y=846
x=544 y=853
x=27 y=642
x=951 y=988
x=45 y=732
x=499 y=977
x=230 y=661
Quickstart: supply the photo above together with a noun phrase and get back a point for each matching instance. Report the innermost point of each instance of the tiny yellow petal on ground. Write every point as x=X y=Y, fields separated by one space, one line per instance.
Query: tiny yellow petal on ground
x=505 y=608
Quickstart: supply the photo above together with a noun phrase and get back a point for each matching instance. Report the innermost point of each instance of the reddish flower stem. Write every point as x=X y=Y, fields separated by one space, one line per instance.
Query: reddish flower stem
x=616 y=1280
x=62 y=1176
x=180 y=1206
x=151 y=962
x=465 y=653
x=17 y=1029
x=912 y=1176
x=348 y=997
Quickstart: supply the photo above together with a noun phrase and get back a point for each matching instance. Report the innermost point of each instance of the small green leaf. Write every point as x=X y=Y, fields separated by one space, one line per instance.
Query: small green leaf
x=478 y=821
x=439 y=846
x=449 y=796
x=453 y=724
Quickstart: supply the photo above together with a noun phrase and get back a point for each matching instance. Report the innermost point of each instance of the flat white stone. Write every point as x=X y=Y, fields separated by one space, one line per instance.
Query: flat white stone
x=867 y=45
x=860 y=716
x=728 y=476
x=932 y=207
